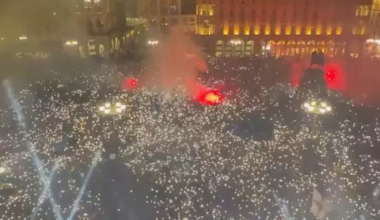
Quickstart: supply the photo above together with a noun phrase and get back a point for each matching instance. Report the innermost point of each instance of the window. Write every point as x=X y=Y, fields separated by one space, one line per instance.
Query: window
x=267 y=29
x=298 y=30
x=257 y=29
x=328 y=30
x=246 y=30
x=308 y=30
x=338 y=30
x=277 y=30
x=288 y=30
x=318 y=30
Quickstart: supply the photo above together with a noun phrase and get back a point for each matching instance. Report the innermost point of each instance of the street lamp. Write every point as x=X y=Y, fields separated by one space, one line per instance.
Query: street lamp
x=317 y=107
x=152 y=42
x=2 y=170
x=23 y=38
x=71 y=43
x=112 y=108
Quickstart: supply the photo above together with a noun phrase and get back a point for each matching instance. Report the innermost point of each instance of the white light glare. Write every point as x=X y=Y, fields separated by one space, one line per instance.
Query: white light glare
x=23 y=37
x=152 y=42
x=71 y=43
x=2 y=170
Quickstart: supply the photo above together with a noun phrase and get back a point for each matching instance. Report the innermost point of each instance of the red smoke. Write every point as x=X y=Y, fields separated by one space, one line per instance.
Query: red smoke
x=176 y=62
x=334 y=75
x=357 y=78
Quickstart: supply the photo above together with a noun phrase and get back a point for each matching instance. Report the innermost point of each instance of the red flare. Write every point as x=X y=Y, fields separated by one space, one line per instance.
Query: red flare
x=130 y=83
x=210 y=97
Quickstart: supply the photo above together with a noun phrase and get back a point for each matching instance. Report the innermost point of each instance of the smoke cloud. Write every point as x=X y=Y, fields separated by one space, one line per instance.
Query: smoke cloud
x=176 y=61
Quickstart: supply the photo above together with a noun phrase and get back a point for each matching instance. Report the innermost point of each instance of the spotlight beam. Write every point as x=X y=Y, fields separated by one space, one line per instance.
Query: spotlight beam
x=36 y=160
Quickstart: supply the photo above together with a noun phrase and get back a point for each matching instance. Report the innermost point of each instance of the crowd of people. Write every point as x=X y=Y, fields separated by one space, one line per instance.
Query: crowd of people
x=169 y=157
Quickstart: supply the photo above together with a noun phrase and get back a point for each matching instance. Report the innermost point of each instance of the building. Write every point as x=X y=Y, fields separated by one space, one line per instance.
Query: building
x=100 y=28
x=234 y=28
x=168 y=13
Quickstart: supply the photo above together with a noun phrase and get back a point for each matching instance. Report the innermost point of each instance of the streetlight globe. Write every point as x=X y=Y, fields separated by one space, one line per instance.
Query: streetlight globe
x=2 y=170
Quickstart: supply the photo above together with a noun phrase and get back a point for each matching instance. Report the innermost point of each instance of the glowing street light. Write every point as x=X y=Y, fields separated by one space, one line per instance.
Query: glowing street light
x=317 y=107
x=71 y=43
x=153 y=42
x=112 y=108
x=2 y=170
x=23 y=38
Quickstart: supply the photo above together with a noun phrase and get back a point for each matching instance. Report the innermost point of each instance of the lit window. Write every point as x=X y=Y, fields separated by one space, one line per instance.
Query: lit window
x=298 y=30
x=257 y=29
x=338 y=30
x=246 y=29
x=308 y=30
x=267 y=30
x=226 y=29
x=318 y=30
x=362 y=30
x=328 y=30
x=236 y=29
x=288 y=30
x=277 y=30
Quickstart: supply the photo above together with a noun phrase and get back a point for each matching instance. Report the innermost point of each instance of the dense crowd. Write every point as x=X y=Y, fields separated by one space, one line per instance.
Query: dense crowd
x=169 y=157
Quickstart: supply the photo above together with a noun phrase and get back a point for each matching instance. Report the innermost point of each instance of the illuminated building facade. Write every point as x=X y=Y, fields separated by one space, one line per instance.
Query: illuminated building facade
x=169 y=13
x=234 y=28
x=101 y=28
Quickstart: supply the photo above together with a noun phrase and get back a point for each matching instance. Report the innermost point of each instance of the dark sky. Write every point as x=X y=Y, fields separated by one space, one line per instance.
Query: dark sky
x=188 y=7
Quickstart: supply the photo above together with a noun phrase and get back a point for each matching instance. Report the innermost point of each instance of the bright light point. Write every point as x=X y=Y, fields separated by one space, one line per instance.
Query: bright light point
x=2 y=170
x=118 y=104
x=328 y=108
x=123 y=107
x=306 y=105
x=108 y=105
x=102 y=108
x=313 y=103
x=322 y=110
x=23 y=37
x=112 y=156
x=310 y=108
x=107 y=111
x=211 y=97
x=323 y=104
x=119 y=110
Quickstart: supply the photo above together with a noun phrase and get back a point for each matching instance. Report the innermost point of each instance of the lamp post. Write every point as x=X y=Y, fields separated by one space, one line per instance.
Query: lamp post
x=152 y=42
x=316 y=107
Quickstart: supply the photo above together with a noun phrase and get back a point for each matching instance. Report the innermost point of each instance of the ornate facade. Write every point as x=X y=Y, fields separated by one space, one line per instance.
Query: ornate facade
x=168 y=13
x=234 y=28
